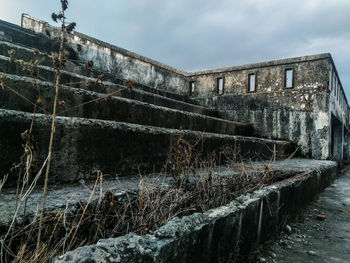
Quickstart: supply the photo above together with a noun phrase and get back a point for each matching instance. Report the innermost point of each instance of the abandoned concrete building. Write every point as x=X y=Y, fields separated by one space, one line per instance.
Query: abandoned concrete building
x=266 y=110
x=298 y=99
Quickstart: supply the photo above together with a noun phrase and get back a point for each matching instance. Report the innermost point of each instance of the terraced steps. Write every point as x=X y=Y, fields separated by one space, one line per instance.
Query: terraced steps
x=126 y=133
x=110 y=108
x=32 y=54
x=231 y=232
x=81 y=145
x=27 y=38
x=46 y=73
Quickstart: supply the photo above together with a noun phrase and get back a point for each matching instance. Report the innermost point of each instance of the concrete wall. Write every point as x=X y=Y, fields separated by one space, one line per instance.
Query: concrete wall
x=301 y=114
x=309 y=72
x=115 y=60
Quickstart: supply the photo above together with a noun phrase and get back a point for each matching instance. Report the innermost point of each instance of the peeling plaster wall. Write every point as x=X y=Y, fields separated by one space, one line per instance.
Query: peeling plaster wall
x=115 y=60
x=300 y=114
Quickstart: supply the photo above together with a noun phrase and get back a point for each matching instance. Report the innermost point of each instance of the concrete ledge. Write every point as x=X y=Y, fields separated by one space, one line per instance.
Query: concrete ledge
x=278 y=62
x=223 y=234
x=81 y=145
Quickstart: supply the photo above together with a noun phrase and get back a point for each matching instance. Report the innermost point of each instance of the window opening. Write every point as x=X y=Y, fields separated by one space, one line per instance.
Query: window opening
x=220 y=86
x=251 y=82
x=288 y=78
x=192 y=87
x=330 y=78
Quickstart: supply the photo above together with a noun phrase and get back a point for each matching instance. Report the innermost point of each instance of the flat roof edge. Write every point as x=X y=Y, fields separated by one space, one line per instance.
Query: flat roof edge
x=265 y=64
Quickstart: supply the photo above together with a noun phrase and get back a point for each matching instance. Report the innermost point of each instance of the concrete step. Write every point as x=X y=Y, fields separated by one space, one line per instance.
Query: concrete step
x=47 y=73
x=27 y=54
x=233 y=232
x=110 y=108
x=27 y=38
x=76 y=194
x=30 y=40
x=81 y=145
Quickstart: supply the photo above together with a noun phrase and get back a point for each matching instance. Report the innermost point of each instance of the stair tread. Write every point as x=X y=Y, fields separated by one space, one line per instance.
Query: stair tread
x=78 y=193
x=98 y=94
x=81 y=144
x=71 y=121
x=152 y=107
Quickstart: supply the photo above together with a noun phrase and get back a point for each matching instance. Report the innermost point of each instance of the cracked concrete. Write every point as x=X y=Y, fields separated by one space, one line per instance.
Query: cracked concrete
x=317 y=241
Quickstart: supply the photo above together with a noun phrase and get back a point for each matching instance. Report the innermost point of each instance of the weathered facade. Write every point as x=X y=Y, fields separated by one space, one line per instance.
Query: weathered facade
x=298 y=99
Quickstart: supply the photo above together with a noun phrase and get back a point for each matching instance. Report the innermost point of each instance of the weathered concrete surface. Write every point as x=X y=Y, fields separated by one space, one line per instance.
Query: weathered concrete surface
x=71 y=196
x=223 y=234
x=111 y=108
x=329 y=239
x=302 y=113
x=62 y=195
x=13 y=33
x=312 y=75
x=31 y=54
x=271 y=118
x=309 y=72
x=116 y=60
x=75 y=75
x=81 y=145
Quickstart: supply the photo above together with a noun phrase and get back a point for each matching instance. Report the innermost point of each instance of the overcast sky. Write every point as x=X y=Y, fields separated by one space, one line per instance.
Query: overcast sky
x=204 y=34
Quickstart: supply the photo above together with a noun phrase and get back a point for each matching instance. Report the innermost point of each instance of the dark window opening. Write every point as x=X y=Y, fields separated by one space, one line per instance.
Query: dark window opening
x=191 y=88
x=251 y=82
x=220 y=86
x=330 y=79
x=288 y=78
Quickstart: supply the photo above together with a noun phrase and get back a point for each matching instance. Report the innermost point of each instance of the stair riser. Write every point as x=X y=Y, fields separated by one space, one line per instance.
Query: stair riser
x=115 y=148
x=113 y=108
x=78 y=68
x=90 y=84
x=18 y=35
x=46 y=74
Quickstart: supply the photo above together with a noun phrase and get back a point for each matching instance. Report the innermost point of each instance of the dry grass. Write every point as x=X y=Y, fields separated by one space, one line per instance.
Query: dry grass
x=195 y=188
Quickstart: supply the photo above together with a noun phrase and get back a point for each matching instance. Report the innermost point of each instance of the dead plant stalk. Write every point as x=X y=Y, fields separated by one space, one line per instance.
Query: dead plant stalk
x=57 y=84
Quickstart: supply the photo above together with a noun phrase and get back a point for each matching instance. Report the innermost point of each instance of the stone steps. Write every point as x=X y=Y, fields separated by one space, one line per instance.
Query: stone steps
x=110 y=108
x=81 y=145
x=28 y=54
x=46 y=73
x=232 y=232
x=77 y=194
x=27 y=38
x=24 y=41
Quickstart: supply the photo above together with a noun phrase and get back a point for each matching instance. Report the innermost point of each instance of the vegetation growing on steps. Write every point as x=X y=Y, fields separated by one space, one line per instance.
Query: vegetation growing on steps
x=109 y=215
x=28 y=164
